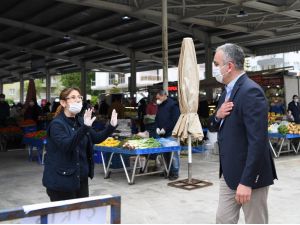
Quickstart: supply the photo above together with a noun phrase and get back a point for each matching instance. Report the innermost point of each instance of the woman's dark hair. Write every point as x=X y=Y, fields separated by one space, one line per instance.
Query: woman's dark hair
x=63 y=95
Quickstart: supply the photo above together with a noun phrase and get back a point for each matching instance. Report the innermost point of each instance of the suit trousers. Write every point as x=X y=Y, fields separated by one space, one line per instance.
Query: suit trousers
x=65 y=195
x=255 y=211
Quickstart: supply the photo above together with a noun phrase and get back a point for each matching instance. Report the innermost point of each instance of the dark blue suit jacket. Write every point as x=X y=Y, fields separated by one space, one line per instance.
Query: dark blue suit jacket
x=245 y=157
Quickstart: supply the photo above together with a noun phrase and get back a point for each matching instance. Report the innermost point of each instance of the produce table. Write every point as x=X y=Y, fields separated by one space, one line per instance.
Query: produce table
x=284 y=139
x=39 y=144
x=137 y=153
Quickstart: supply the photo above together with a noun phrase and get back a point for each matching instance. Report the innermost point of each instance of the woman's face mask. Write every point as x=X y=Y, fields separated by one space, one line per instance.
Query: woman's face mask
x=296 y=99
x=75 y=107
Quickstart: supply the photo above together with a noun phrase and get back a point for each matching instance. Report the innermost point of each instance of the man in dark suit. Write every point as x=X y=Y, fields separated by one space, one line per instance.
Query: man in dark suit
x=294 y=108
x=241 y=120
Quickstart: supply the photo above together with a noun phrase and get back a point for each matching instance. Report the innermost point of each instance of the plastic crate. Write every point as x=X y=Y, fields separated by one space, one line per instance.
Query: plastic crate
x=195 y=149
x=29 y=129
x=116 y=161
x=97 y=157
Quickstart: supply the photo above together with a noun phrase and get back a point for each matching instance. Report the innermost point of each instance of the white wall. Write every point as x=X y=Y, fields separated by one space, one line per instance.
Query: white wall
x=290 y=87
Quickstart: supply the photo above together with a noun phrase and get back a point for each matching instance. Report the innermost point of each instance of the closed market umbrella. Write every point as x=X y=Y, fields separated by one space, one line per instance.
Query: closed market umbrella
x=31 y=92
x=188 y=127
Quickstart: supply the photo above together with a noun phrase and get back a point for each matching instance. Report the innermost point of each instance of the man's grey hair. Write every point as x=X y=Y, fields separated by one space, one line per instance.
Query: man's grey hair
x=162 y=92
x=233 y=53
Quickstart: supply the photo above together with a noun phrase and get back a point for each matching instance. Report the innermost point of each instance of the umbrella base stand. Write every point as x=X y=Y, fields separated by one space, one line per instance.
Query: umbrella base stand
x=186 y=185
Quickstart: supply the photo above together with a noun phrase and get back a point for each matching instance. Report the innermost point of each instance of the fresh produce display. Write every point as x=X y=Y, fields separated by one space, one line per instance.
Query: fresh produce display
x=109 y=142
x=41 y=134
x=10 y=130
x=141 y=143
x=26 y=123
x=293 y=128
x=283 y=129
x=273 y=117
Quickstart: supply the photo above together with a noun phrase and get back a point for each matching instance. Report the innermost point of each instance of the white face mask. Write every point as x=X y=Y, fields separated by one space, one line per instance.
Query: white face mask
x=296 y=100
x=75 y=107
x=219 y=76
x=158 y=102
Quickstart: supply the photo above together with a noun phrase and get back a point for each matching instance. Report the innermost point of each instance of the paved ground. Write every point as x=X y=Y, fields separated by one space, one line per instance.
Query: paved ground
x=150 y=200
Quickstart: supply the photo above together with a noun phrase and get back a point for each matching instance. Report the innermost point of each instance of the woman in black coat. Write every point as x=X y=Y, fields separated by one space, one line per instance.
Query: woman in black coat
x=69 y=158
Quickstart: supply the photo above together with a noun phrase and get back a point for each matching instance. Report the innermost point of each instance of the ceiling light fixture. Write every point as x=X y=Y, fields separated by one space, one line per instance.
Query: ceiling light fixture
x=67 y=37
x=242 y=13
x=126 y=18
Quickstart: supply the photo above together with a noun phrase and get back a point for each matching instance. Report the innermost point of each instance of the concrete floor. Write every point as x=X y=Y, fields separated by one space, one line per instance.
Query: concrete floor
x=150 y=200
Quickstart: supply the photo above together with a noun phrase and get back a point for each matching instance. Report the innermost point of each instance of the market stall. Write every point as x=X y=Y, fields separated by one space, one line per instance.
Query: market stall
x=36 y=140
x=136 y=147
x=10 y=134
x=284 y=137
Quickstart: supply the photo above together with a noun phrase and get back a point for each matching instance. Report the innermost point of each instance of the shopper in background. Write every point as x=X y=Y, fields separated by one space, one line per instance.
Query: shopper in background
x=4 y=110
x=32 y=111
x=142 y=105
x=241 y=120
x=294 y=109
x=117 y=105
x=149 y=118
x=166 y=119
x=103 y=108
x=69 y=158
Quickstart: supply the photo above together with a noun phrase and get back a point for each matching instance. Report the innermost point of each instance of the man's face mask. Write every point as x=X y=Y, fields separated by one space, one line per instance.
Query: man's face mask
x=219 y=76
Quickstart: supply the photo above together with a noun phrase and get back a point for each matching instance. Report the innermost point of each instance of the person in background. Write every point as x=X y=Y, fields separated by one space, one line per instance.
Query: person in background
x=294 y=109
x=149 y=119
x=4 y=110
x=117 y=105
x=277 y=106
x=103 y=109
x=141 y=113
x=46 y=108
x=70 y=139
x=166 y=119
x=55 y=105
x=241 y=120
x=33 y=111
x=16 y=111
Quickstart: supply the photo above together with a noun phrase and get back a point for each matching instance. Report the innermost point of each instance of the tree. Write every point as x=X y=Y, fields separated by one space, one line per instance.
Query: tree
x=74 y=80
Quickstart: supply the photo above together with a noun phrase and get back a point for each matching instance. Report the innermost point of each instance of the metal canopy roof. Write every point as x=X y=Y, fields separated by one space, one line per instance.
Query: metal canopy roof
x=64 y=34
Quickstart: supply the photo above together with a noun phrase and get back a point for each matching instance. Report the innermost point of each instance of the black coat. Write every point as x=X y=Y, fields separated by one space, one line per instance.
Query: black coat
x=167 y=116
x=295 y=109
x=69 y=150
x=245 y=157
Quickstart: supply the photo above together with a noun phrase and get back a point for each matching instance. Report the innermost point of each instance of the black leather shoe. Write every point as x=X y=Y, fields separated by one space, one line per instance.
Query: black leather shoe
x=173 y=177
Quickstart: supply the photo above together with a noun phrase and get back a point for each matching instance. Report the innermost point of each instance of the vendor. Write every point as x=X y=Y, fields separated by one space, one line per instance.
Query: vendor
x=4 y=110
x=294 y=109
x=277 y=107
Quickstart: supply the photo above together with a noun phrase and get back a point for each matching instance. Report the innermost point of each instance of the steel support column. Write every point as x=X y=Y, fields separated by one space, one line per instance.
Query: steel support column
x=164 y=4
x=21 y=88
x=48 y=85
x=208 y=64
x=132 y=85
x=83 y=81
x=1 y=86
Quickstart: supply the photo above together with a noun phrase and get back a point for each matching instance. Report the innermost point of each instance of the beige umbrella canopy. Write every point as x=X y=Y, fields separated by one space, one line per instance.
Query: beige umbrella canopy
x=188 y=93
x=188 y=127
